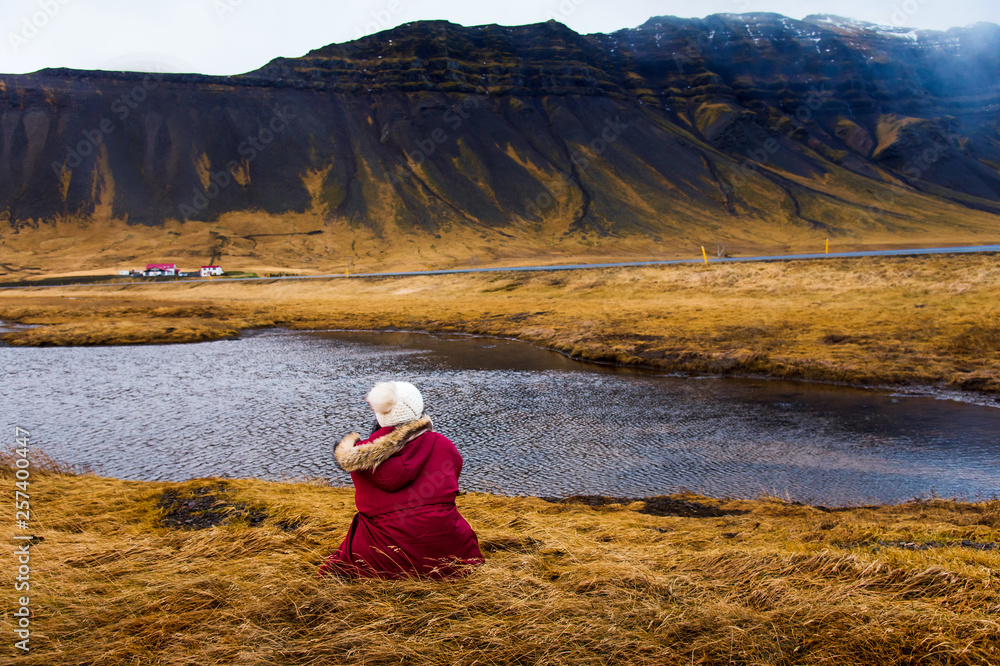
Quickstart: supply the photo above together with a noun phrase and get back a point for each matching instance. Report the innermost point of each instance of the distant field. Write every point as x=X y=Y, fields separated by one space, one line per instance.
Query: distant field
x=924 y=320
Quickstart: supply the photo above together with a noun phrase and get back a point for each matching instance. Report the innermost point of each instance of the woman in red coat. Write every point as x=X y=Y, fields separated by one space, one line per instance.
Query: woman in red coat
x=405 y=482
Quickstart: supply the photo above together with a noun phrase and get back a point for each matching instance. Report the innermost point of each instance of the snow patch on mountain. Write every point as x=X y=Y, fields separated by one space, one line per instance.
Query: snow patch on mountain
x=854 y=25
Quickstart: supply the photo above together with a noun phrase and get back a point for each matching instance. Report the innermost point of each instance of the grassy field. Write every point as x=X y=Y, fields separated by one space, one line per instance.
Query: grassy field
x=214 y=571
x=916 y=320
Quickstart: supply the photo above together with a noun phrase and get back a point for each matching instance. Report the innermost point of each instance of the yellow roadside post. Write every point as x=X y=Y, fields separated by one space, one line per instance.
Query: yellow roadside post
x=827 y=246
x=704 y=254
x=347 y=272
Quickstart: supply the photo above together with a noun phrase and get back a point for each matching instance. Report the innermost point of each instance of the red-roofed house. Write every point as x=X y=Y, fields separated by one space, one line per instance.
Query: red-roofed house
x=160 y=269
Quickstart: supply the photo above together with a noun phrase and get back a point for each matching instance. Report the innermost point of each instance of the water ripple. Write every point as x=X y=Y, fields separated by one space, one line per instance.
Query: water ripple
x=273 y=404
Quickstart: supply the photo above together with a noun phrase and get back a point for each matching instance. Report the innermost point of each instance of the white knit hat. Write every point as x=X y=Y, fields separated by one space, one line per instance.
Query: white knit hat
x=395 y=403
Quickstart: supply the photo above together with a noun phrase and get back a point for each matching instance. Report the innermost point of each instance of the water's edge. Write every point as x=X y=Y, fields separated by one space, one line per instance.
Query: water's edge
x=972 y=397
x=939 y=392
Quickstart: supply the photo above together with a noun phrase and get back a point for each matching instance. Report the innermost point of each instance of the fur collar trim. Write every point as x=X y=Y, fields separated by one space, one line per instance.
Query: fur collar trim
x=370 y=455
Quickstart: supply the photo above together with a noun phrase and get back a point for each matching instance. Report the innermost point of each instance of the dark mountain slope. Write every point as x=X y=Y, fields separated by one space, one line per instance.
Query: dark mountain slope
x=755 y=128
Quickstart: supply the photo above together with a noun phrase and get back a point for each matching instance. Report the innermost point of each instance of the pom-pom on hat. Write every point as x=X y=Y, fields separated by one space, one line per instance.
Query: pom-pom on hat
x=395 y=403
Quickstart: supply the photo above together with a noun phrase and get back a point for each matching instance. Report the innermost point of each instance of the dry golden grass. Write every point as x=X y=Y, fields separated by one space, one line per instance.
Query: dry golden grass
x=924 y=320
x=771 y=583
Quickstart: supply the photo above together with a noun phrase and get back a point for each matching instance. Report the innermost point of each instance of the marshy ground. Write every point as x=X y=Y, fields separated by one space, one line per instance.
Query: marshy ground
x=222 y=571
x=900 y=320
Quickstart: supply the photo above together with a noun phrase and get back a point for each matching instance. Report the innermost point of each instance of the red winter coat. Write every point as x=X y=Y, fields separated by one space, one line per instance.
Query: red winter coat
x=405 y=482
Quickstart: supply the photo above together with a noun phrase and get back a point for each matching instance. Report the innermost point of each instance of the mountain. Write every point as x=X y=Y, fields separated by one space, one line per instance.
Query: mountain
x=434 y=142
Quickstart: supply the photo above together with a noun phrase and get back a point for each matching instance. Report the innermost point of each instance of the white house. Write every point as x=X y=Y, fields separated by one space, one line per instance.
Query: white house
x=153 y=270
x=211 y=270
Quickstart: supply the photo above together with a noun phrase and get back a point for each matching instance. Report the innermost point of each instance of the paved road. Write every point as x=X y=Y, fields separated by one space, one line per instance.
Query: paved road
x=974 y=249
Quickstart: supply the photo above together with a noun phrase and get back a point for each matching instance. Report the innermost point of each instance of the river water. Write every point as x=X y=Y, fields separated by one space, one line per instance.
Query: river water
x=273 y=404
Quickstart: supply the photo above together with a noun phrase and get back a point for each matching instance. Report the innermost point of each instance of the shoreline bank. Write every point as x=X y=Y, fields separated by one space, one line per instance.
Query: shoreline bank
x=877 y=322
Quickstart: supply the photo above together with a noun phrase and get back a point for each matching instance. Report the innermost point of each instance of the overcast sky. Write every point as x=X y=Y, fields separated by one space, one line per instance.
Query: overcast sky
x=235 y=36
